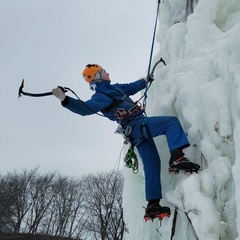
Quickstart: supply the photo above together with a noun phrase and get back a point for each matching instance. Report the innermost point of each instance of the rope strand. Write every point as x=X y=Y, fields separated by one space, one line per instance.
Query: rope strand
x=151 y=54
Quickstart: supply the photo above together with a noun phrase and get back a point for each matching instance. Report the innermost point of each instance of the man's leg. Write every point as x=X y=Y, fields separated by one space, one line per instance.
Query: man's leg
x=171 y=127
x=152 y=169
x=177 y=140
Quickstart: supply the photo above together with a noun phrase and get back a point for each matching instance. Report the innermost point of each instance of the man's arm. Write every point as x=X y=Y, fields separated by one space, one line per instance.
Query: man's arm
x=92 y=106
x=134 y=87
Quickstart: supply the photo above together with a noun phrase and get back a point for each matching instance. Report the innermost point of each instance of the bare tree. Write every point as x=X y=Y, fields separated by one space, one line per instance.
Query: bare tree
x=41 y=195
x=59 y=206
x=6 y=202
x=104 y=205
x=68 y=207
x=19 y=185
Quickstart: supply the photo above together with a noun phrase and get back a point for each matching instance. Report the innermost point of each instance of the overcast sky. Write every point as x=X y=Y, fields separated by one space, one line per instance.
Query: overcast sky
x=48 y=43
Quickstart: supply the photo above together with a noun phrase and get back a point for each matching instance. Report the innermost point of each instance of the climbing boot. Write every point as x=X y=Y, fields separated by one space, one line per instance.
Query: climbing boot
x=183 y=164
x=178 y=162
x=156 y=211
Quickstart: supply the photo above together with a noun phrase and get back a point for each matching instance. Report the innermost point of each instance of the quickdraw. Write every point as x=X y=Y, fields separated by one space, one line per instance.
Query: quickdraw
x=131 y=160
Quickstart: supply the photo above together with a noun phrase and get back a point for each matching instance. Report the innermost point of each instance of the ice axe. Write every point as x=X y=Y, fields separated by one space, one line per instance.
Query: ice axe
x=155 y=65
x=21 y=92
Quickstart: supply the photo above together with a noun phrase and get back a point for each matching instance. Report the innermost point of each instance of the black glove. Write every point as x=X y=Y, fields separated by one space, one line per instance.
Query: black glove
x=150 y=78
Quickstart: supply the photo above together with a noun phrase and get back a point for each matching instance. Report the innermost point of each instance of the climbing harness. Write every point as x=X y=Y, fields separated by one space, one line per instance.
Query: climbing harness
x=115 y=103
x=121 y=113
x=131 y=160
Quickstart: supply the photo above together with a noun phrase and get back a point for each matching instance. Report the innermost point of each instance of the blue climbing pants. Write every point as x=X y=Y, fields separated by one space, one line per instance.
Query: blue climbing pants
x=176 y=138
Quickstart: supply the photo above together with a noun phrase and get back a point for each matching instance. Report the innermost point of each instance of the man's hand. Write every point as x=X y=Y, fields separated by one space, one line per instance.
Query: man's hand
x=59 y=93
x=149 y=78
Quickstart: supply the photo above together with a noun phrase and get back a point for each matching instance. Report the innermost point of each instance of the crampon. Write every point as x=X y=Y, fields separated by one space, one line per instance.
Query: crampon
x=184 y=165
x=156 y=211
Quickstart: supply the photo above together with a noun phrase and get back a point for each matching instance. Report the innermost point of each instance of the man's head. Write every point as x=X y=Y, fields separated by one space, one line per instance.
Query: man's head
x=94 y=73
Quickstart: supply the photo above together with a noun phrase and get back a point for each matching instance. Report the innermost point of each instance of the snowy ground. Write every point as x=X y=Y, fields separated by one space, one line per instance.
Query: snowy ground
x=199 y=85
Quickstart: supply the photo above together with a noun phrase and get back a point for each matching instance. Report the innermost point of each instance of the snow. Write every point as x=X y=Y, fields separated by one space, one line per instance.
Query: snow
x=199 y=85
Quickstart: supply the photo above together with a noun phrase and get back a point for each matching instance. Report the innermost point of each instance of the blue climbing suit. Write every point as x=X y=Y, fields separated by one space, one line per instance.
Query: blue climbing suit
x=143 y=129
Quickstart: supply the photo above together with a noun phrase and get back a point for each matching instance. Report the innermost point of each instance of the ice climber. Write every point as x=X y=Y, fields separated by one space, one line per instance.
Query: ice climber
x=114 y=102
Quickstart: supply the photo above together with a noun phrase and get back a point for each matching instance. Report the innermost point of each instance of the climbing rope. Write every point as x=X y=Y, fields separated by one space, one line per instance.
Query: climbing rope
x=151 y=54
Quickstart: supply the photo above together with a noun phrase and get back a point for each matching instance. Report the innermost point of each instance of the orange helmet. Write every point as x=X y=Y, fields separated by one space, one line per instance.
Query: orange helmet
x=90 y=71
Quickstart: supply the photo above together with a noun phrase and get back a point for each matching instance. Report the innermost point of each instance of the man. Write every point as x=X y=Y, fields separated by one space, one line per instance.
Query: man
x=114 y=102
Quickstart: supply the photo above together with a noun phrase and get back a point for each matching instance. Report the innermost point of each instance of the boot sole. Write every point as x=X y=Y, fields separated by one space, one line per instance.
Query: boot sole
x=176 y=171
x=159 y=216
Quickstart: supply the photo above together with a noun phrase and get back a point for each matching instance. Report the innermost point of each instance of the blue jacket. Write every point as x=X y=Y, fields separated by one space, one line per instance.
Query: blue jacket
x=101 y=99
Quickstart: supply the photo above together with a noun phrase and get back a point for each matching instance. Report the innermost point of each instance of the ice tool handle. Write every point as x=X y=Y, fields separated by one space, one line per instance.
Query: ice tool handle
x=21 y=92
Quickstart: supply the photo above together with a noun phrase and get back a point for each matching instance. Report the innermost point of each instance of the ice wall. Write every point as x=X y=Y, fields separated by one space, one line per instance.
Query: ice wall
x=199 y=85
